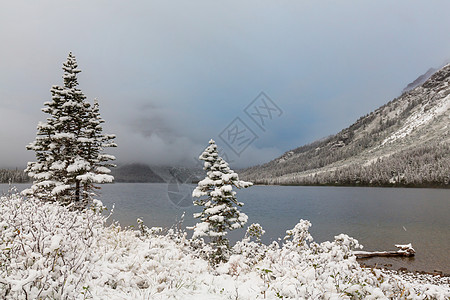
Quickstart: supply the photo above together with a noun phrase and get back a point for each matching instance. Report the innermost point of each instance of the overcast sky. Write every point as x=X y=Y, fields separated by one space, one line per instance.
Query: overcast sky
x=170 y=75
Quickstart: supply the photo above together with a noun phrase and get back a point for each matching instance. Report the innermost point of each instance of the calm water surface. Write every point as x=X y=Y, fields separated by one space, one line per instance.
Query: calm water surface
x=377 y=217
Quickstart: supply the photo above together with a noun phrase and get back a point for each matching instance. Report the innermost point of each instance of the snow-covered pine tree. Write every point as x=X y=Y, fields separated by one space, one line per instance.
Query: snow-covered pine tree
x=92 y=146
x=69 y=145
x=216 y=195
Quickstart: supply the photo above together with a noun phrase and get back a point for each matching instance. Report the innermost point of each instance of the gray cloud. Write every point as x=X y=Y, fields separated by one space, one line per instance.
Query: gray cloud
x=171 y=75
x=153 y=121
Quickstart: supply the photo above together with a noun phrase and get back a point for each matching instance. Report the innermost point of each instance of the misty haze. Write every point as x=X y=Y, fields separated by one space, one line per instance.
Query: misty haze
x=236 y=150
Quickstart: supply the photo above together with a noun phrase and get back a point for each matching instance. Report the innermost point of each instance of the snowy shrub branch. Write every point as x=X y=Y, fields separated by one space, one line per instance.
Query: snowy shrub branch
x=48 y=251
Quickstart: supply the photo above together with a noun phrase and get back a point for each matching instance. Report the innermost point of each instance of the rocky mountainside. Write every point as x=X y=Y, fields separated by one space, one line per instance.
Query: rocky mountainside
x=406 y=142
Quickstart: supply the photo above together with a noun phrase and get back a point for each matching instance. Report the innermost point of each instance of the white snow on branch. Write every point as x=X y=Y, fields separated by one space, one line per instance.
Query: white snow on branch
x=64 y=135
x=78 y=165
x=59 y=189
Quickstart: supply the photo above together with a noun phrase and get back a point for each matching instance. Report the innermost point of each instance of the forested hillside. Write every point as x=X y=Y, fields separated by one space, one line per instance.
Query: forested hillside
x=403 y=143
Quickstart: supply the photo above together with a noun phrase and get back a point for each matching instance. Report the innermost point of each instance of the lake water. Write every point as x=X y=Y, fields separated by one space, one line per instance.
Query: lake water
x=377 y=217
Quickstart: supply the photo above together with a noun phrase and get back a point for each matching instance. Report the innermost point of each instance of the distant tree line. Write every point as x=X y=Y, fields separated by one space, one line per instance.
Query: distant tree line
x=424 y=166
x=13 y=176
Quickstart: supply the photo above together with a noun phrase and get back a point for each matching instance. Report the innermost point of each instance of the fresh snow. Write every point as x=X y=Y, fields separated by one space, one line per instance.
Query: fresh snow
x=59 y=189
x=419 y=118
x=103 y=170
x=50 y=252
x=95 y=178
x=63 y=135
x=58 y=165
x=78 y=165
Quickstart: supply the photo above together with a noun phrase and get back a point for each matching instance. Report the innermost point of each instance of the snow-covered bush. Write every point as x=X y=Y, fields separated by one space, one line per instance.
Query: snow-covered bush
x=298 y=237
x=251 y=252
x=254 y=231
x=48 y=251
x=329 y=270
x=45 y=249
x=216 y=195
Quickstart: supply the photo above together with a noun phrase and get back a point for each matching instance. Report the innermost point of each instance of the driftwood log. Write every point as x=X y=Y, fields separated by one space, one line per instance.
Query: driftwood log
x=405 y=250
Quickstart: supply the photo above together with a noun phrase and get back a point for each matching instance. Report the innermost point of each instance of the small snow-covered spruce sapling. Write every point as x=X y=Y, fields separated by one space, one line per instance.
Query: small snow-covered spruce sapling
x=69 y=146
x=220 y=213
x=254 y=231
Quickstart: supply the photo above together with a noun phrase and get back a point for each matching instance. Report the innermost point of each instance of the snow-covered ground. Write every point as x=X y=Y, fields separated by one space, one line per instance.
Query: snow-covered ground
x=420 y=118
x=50 y=252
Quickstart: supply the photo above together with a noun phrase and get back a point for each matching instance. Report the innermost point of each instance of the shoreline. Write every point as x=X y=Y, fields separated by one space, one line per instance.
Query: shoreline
x=401 y=270
x=443 y=187
x=435 y=185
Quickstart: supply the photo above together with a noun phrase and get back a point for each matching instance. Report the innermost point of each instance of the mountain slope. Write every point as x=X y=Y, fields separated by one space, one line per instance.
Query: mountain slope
x=419 y=80
x=404 y=142
x=136 y=173
x=139 y=172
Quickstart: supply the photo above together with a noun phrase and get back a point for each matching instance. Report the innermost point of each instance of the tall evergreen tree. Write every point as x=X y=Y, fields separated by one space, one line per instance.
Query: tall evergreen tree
x=216 y=195
x=69 y=146
x=92 y=146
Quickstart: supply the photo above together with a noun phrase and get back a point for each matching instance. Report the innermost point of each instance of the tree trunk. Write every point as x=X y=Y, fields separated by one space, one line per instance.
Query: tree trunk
x=77 y=192
x=405 y=250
